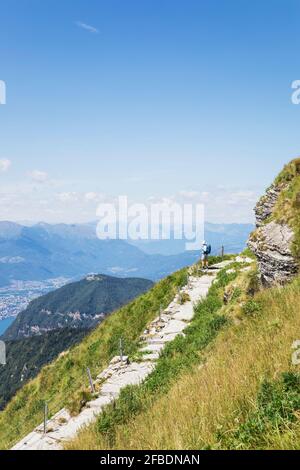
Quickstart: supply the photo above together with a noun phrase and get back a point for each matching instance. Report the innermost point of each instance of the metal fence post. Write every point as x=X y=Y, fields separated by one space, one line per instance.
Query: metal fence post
x=90 y=380
x=179 y=295
x=45 y=417
x=160 y=312
x=121 y=349
x=188 y=281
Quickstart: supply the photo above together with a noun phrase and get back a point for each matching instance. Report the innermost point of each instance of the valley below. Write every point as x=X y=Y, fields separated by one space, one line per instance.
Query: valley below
x=17 y=296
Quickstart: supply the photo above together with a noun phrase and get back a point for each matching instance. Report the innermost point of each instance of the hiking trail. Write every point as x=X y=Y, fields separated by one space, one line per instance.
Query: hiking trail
x=120 y=371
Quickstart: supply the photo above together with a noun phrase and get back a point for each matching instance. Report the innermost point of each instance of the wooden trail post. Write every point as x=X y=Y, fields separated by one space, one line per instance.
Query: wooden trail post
x=90 y=380
x=222 y=252
x=160 y=312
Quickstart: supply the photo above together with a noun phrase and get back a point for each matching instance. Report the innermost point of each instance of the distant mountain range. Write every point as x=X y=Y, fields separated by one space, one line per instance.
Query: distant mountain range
x=45 y=251
x=232 y=236
x=56 y=321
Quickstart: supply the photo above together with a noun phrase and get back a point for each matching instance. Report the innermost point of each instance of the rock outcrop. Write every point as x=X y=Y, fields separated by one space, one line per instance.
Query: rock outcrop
x=272 y=240
x=264 y=208
x=271 y=244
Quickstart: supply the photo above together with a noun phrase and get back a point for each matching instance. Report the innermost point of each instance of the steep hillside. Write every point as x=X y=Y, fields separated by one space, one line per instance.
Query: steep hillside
x=79 y=305
x=240 y=392
x=62 y=381
x=26 y=357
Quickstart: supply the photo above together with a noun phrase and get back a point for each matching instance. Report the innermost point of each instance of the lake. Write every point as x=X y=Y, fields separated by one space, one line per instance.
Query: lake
x=5 y=323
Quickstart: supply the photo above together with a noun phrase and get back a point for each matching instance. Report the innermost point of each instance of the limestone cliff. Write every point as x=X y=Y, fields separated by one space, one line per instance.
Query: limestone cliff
x=275 y=241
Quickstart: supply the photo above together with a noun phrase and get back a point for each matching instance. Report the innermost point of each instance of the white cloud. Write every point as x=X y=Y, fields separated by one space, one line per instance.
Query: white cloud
x=87 y=27
x=38 y=176
x=189 y=194
x=68 y=197
x=245 y=195
x=62 y=201
x=93 y=197
x=194 y=195
x=4 y=165
x=164 y=200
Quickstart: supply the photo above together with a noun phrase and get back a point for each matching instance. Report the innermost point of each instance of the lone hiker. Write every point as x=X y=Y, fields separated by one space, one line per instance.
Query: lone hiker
x=206 y=250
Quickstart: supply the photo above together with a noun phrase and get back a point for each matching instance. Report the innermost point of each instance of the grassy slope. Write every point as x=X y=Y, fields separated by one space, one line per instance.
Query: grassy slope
x=177 y=359
x=238 y=399
x=58 y=382
x=35 y=352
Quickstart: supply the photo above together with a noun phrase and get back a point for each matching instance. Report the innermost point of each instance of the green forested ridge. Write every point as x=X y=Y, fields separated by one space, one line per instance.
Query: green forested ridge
x=76 y=305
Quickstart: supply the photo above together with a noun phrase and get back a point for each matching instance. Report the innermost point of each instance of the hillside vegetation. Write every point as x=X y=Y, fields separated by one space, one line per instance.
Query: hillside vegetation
x=26 y=357
x=65 y=379
x=240 y=391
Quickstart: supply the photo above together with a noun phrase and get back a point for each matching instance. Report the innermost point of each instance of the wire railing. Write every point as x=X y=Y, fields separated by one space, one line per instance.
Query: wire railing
x=49 y=406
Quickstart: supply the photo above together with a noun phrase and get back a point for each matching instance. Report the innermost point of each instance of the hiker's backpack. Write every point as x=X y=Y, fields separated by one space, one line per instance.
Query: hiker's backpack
x=208 y=250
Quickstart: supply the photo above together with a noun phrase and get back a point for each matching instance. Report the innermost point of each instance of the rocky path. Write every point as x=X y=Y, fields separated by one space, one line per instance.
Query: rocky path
x=121 y=372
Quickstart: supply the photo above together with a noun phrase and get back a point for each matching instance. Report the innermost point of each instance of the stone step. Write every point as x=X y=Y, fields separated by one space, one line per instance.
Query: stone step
x=155 y=340
x=151 y=357
x=152 y=348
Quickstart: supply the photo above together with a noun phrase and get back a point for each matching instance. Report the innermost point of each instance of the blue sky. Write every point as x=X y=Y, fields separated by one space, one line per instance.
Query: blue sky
x=154 y=99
